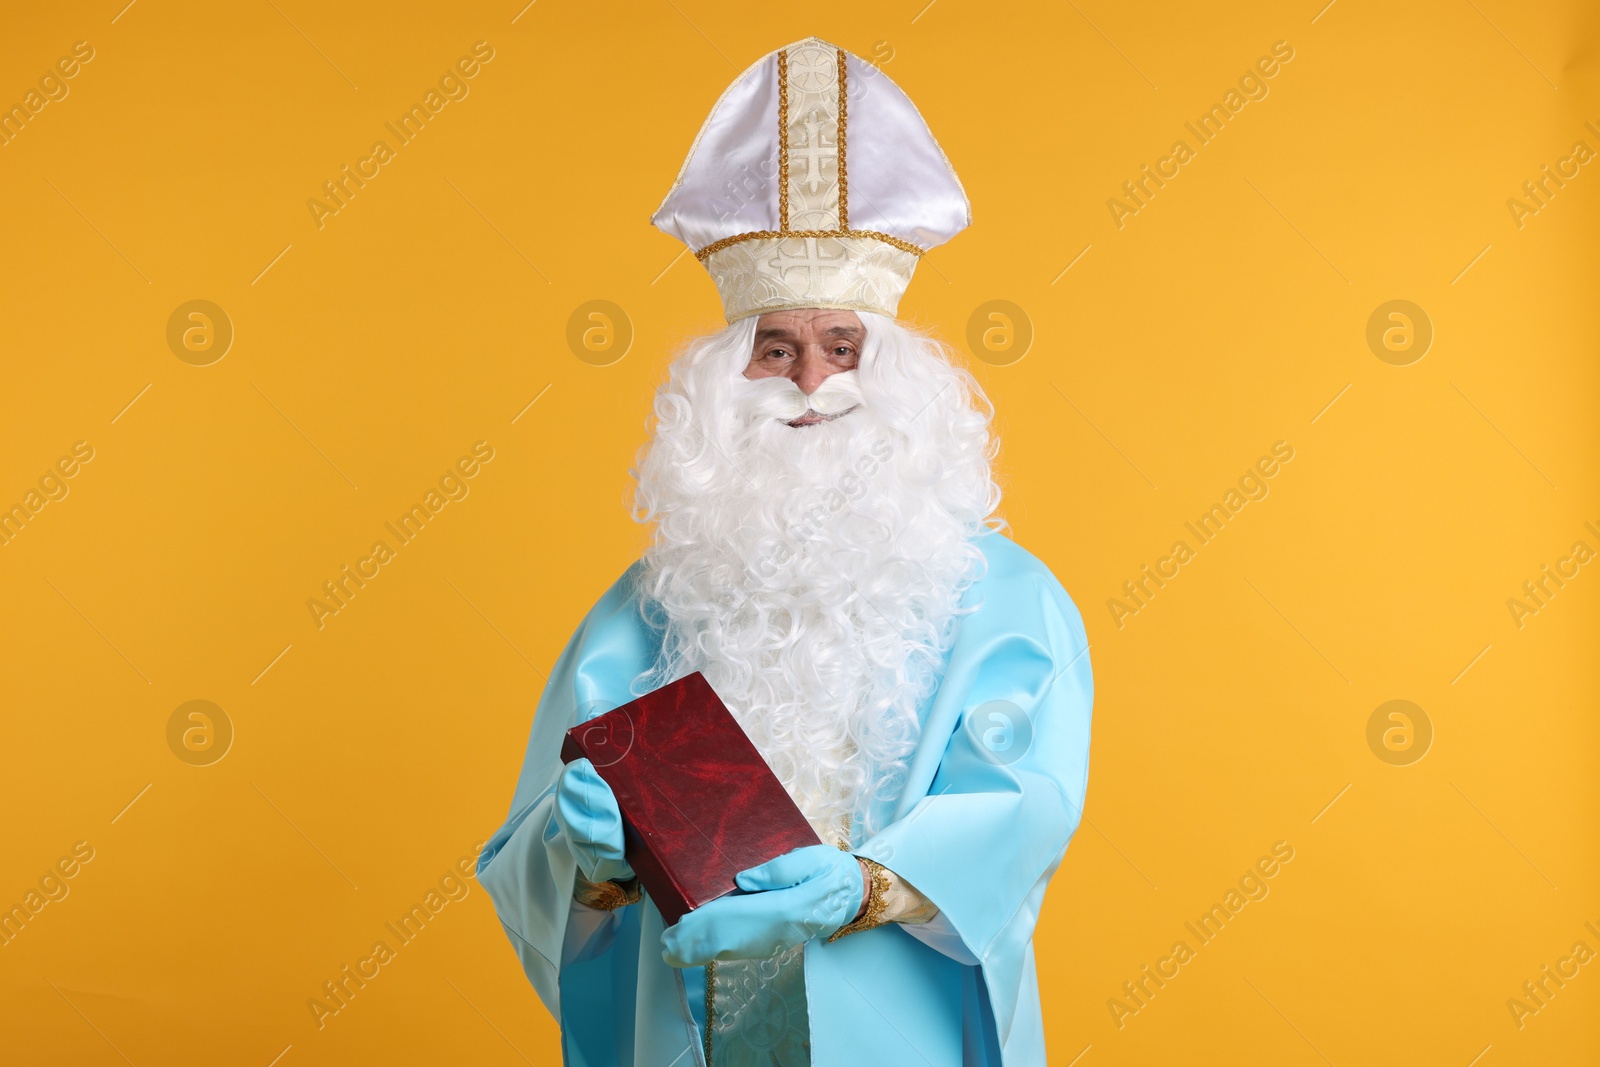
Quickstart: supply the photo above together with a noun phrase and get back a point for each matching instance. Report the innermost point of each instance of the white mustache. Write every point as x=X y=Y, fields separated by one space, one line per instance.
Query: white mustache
x=780 y=398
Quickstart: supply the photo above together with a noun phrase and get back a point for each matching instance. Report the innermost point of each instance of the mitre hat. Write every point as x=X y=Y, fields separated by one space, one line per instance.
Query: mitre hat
x=814 y=183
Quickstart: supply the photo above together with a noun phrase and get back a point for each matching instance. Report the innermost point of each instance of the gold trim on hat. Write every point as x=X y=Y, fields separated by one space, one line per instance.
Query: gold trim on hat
x=844 y=199
x=717 y=246
x=783 y=144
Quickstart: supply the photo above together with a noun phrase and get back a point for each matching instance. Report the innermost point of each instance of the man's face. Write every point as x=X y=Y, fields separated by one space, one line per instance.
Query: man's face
x=806 y=346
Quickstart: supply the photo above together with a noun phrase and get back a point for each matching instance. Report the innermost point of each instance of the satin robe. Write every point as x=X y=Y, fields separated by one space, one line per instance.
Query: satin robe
x=994 y=794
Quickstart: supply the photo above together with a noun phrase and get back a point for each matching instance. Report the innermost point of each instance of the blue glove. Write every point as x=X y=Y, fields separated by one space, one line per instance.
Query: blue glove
x=586 y=811
x=802 y=894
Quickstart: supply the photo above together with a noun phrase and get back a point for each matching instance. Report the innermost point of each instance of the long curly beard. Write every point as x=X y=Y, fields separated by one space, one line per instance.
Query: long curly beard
x=815 y=573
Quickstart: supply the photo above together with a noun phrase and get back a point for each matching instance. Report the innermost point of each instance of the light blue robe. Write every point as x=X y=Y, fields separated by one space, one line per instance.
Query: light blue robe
x=995 y=791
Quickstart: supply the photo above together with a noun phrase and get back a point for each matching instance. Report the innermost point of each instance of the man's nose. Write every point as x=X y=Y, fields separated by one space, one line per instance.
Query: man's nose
x=809 y=371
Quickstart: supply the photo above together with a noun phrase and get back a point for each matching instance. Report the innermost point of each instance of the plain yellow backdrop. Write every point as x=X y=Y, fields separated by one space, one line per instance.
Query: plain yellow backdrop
x=374 y=346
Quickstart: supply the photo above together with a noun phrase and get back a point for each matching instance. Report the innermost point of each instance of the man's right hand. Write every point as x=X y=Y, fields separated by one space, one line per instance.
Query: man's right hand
x=589 y=819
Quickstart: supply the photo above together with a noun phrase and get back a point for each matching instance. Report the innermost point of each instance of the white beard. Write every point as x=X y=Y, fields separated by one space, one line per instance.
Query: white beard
x=814 y=573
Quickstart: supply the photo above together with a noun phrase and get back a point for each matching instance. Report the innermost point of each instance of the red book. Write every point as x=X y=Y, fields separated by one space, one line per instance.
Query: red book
x=698 y=802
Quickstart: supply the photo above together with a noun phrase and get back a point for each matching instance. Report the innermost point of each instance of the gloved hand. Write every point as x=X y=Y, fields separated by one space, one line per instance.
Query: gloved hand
x=586 y=811
x=806 y=893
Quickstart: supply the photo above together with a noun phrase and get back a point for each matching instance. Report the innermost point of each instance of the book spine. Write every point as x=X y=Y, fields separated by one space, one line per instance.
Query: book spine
x=656 y=877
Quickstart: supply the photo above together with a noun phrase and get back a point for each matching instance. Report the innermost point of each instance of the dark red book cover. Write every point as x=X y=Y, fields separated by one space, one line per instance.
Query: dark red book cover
x=698 y=802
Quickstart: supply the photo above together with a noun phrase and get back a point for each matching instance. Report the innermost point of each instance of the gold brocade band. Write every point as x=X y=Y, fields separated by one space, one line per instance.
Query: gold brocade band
x=606 y=896
x=844 y=197
x=890 y=899
x=783 y=149
x=877 y=901
x=711 y=1004
x=758 y=235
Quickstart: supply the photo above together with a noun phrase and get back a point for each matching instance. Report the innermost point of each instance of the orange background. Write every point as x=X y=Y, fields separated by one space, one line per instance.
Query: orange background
x=1228 y=314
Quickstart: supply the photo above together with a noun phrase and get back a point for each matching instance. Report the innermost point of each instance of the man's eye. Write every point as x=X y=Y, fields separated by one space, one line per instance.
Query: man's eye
x=778 y=353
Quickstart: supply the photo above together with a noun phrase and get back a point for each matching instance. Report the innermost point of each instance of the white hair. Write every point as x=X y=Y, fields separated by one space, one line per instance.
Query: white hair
x=815 y=573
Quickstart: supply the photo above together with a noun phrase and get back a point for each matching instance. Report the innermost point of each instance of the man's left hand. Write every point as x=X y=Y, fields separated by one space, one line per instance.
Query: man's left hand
x=802 y=894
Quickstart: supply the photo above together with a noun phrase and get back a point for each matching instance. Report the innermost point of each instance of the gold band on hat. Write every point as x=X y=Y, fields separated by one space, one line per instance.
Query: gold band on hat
x=757 y=235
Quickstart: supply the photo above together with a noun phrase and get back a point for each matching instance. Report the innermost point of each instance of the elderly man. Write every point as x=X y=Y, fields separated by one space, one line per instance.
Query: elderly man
x=825 y=551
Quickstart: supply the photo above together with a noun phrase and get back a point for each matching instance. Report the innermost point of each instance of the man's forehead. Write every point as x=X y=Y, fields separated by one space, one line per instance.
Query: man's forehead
x=786 y=327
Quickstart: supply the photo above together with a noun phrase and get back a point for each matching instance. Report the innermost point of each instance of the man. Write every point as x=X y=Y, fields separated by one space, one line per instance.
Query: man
x=825 y=551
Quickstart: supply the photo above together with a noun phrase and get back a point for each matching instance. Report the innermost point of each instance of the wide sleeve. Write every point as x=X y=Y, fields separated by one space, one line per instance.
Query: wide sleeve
x=526 y=867
x=1005 y=789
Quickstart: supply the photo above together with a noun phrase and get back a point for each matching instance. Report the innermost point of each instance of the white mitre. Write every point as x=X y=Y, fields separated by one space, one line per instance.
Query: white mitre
x=814 y=183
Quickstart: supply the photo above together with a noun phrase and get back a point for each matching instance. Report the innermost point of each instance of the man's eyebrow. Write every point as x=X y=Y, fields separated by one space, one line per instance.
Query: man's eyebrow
x=769 y=332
